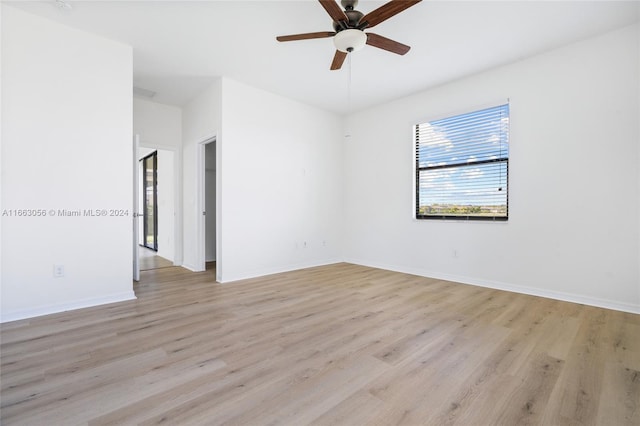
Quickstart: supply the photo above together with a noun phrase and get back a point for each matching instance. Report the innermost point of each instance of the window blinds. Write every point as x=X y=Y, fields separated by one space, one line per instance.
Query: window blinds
x=462 y=165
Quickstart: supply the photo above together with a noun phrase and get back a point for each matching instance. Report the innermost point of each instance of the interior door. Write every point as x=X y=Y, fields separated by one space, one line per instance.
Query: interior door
x=135 y=211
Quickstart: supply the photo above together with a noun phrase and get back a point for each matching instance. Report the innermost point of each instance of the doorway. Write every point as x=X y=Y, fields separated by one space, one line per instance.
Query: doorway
x=210 y=205
x=157 y=203
x=207 y=244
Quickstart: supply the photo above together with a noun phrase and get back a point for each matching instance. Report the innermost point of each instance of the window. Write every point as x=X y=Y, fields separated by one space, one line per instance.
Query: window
x=462 y=166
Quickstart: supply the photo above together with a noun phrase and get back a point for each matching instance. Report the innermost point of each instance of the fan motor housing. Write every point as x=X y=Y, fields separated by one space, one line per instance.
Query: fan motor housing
x=354 y=19
x=349 y=4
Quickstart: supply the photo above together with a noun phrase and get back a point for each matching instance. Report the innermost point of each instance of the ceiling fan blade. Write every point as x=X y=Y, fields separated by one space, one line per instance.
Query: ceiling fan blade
x=306 y=36
x=380 y=42
x=385 y=12
x=334 y=11
x=338 y=60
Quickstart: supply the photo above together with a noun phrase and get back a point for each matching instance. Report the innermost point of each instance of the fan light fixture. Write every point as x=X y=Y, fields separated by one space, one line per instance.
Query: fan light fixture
x=349 y=25
x=350 y=40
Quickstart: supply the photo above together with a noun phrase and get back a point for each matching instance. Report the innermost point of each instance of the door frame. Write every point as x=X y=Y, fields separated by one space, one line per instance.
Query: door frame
x=135 y=213
x=177 y=197
x=201 y=203
x=145 y=225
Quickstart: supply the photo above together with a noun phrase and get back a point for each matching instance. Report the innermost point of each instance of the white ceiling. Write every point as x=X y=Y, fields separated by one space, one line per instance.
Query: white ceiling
x=179 y=47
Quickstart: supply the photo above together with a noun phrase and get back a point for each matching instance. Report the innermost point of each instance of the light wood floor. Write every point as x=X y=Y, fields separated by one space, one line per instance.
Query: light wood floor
x=341 y=344
x=149 y=259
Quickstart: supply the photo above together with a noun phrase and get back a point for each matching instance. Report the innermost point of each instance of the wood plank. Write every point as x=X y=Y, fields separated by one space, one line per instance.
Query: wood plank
x=340 y=344
x=619 y=402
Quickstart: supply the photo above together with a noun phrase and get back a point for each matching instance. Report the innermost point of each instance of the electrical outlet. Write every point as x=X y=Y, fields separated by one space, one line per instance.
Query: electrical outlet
x=58 y=271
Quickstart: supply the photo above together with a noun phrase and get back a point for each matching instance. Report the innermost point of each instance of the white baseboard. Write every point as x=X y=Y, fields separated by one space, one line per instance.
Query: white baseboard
x=77 y=304
x=130 y=295
x=228 y=278
x=190 y=267
x=532 y=291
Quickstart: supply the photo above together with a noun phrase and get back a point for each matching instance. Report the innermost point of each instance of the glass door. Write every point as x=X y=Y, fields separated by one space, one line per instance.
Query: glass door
x=150 y=200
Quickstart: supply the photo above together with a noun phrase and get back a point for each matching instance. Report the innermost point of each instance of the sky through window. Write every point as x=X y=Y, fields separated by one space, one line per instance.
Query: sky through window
x=462 y=164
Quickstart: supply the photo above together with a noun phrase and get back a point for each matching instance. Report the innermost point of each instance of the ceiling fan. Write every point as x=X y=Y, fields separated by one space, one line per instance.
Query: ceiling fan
x=349 y=25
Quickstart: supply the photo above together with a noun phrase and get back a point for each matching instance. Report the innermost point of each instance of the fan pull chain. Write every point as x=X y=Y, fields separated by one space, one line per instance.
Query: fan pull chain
x=349 y=86
x=348 y=133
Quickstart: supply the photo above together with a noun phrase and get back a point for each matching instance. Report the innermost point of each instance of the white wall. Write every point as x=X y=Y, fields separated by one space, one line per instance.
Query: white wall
x=201 y=120
x=281 y=184
x=279 y=195
x=573 y=230
x=1 y=161
x=166 y=204
x=66 y=144
x=159 y=125
x=294 y=193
